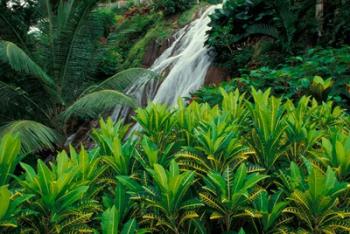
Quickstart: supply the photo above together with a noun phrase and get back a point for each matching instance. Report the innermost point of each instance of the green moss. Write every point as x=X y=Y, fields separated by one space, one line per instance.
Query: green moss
x=159 y=32
x=187 y=16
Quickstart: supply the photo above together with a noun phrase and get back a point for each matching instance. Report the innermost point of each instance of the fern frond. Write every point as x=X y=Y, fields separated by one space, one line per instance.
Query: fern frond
x=72 y=52
x=210 y=201
x=188 y=165
x=93 y=104
x=34 y=136
x=288 y=19
x=263 y=29
x=255 y=168
x=78 y=219
x=123 y=80
x=189 y=215
x=340 y=225
x=13 y=55
x=191 y=204
x=13 y=97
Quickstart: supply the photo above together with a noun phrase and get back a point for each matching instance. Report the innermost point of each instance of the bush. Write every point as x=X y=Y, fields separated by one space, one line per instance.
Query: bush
x=247 y=163
x=170 y=7
x=264 y=31
x=321 y=73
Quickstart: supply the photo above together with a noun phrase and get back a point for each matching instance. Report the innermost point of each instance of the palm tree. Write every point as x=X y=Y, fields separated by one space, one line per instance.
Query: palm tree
x=59 y=74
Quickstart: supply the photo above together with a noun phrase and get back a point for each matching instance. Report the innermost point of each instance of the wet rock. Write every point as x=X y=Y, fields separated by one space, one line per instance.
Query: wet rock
x=155 y=49
x=216 y=75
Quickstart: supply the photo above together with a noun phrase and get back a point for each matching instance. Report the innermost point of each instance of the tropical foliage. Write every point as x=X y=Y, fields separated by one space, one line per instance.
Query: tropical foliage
x=267 y=152
x=264 y=31
x=321 y=73
x=261 y=165
x=62 y=66
x=170 y=7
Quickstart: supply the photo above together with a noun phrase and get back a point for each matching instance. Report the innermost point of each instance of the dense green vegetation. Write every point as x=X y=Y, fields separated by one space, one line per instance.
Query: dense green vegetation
x=68 y=67
x=61 y=70
x=265 y=152
x=172 y=7
x=322 y=73
x=135 y=29
x=261 y=165
x=263 y=32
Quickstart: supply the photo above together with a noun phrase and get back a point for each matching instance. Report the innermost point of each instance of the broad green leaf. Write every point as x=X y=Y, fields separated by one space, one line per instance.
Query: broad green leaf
x=110 y=221
x=239 y=178
x=129 y=183
x=129 y=227
x=5 y=195
x=161 y=176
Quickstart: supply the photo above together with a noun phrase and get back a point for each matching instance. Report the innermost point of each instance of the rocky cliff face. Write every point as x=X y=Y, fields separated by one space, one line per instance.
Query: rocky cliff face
x=155 y=49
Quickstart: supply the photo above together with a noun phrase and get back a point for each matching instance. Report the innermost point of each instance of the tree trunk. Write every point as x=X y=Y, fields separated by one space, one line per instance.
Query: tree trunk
x=319 y=15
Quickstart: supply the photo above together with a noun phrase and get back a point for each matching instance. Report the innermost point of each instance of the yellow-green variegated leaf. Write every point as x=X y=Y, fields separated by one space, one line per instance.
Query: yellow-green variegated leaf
x=216 y=215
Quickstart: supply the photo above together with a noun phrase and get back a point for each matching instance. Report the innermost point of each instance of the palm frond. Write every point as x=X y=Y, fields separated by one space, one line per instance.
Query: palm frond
x=263 y=29
x=34 y=135
x=8 y=91
x=15 y=101
x=96 y=103
x=123 y=80
x=19 y=61
x=75 y=46
x=10 y=101
x=288 y=19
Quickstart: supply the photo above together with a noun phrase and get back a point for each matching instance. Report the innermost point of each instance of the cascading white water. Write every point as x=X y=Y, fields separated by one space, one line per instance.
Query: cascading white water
x=184 y=65
x=187 y=61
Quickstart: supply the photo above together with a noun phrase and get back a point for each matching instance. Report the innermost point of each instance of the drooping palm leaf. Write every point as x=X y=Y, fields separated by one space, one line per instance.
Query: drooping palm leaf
x=13 y=98
x=8 y=91
x=93 y=104
x=21 y=62
x=9 y=99
x=34 y=135
x=123 y=80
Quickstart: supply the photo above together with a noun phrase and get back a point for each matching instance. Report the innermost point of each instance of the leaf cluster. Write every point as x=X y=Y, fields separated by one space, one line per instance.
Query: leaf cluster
x=260 y=165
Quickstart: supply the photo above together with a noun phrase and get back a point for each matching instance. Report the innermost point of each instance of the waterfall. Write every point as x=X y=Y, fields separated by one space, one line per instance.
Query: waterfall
x=187 y=61
x=184 y=65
